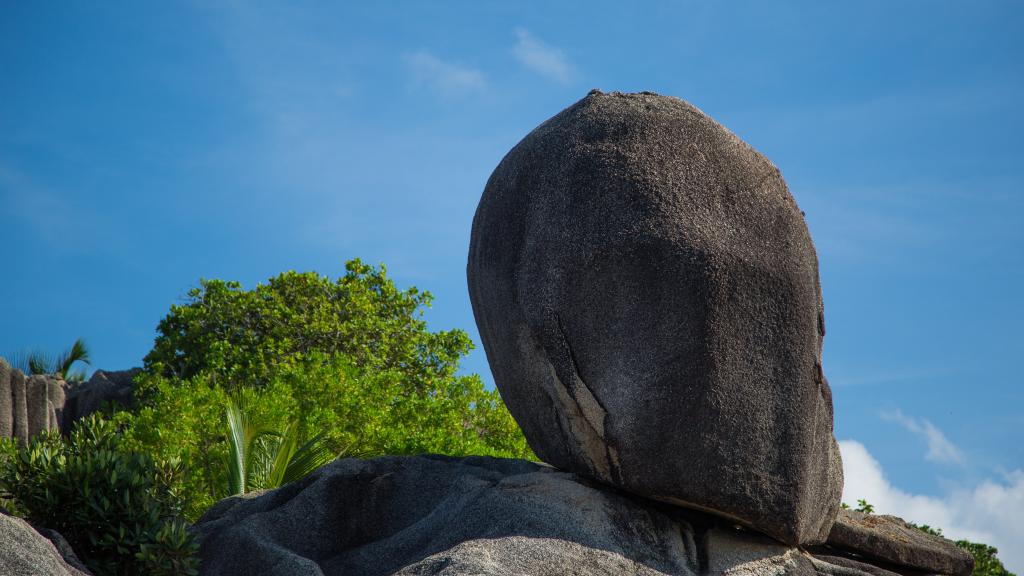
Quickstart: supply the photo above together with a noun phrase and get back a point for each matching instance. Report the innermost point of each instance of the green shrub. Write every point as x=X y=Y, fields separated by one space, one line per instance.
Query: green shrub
x=357 y=414
x=119 y=510
x=349 y=359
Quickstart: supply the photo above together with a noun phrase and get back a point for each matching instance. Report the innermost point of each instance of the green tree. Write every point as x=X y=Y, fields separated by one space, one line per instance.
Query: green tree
x=350 y=360
x=985 y=561
x=244 y=336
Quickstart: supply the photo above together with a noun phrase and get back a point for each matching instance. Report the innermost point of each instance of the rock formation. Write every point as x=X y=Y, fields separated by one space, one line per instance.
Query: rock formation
x=891 y=541
x=31 y=404
x=442 y=516
x=647 y=293
x=104 y=386
x=25 y=552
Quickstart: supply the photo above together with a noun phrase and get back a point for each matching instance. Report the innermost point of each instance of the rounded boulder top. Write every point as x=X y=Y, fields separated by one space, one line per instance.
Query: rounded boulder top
x=647 y=293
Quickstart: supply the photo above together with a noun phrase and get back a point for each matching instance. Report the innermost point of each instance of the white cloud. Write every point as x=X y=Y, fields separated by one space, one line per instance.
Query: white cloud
x=940 y=449
x=542 y=58
x=991 y=512
x=447 y=78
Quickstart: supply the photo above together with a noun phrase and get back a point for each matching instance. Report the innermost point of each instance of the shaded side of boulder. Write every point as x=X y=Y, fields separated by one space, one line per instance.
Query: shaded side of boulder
x=25 y=552
x=64 y=549
x=434 y=515
x=892 y=540
x=647 y=293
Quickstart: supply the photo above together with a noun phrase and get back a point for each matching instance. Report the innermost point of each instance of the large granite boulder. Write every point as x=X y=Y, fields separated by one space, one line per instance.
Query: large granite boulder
x=435 y=515
x=647 y=293
x=26 y=552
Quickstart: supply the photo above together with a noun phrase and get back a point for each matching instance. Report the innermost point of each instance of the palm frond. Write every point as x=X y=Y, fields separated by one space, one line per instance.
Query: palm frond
x=237 y=448
x=79 y=352
x=261 y=456
x=310 y=456
x=20 y=360
x=39 y=363
x=285 y=448
x=250 y=447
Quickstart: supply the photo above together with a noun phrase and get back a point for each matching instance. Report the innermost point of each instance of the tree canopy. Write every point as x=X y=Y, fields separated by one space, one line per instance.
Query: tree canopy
x=351 y=360
x=245 y=336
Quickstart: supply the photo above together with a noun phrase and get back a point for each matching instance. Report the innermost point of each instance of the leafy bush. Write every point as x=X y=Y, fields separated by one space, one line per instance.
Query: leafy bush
x=357 y=414
x=985 y=561
x=349 y=359
x=117 y=509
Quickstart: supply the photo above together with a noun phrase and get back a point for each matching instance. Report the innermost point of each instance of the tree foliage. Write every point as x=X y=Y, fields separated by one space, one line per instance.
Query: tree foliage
x=243 y=336
x=350 y=360
x=117 y=508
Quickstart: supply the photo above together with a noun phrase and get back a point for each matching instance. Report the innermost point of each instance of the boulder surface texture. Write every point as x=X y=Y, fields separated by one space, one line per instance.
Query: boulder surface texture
x=889 y=539
x=29 y=404
x=25 y=552
x=436 y=515
x=647 y=293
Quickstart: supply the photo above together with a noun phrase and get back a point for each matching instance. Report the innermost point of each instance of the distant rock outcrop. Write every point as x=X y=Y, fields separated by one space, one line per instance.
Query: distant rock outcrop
x=647 y=293
x=115 y=387
x=30 y=404
x=441 y=516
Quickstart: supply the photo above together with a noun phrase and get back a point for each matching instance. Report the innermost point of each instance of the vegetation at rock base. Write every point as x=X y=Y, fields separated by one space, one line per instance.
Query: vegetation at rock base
x=117 y=509
x=985 y=561
x=350 y=359
x=263 y=457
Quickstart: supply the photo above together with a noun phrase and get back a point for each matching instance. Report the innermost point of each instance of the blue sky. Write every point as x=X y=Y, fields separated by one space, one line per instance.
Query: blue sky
x=146 y=145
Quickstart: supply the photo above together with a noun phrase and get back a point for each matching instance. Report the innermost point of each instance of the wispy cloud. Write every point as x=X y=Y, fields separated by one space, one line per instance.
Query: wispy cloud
x=541 y=58
x=446 y=78
x=49 y=216
x=940 y=449
x=991 y=512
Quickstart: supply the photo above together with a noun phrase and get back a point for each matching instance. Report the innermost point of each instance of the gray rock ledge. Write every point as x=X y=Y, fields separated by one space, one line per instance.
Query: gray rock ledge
x=434 y=515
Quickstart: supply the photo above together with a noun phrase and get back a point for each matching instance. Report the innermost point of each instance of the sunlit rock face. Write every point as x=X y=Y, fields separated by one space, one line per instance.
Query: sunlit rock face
x=647 y=293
